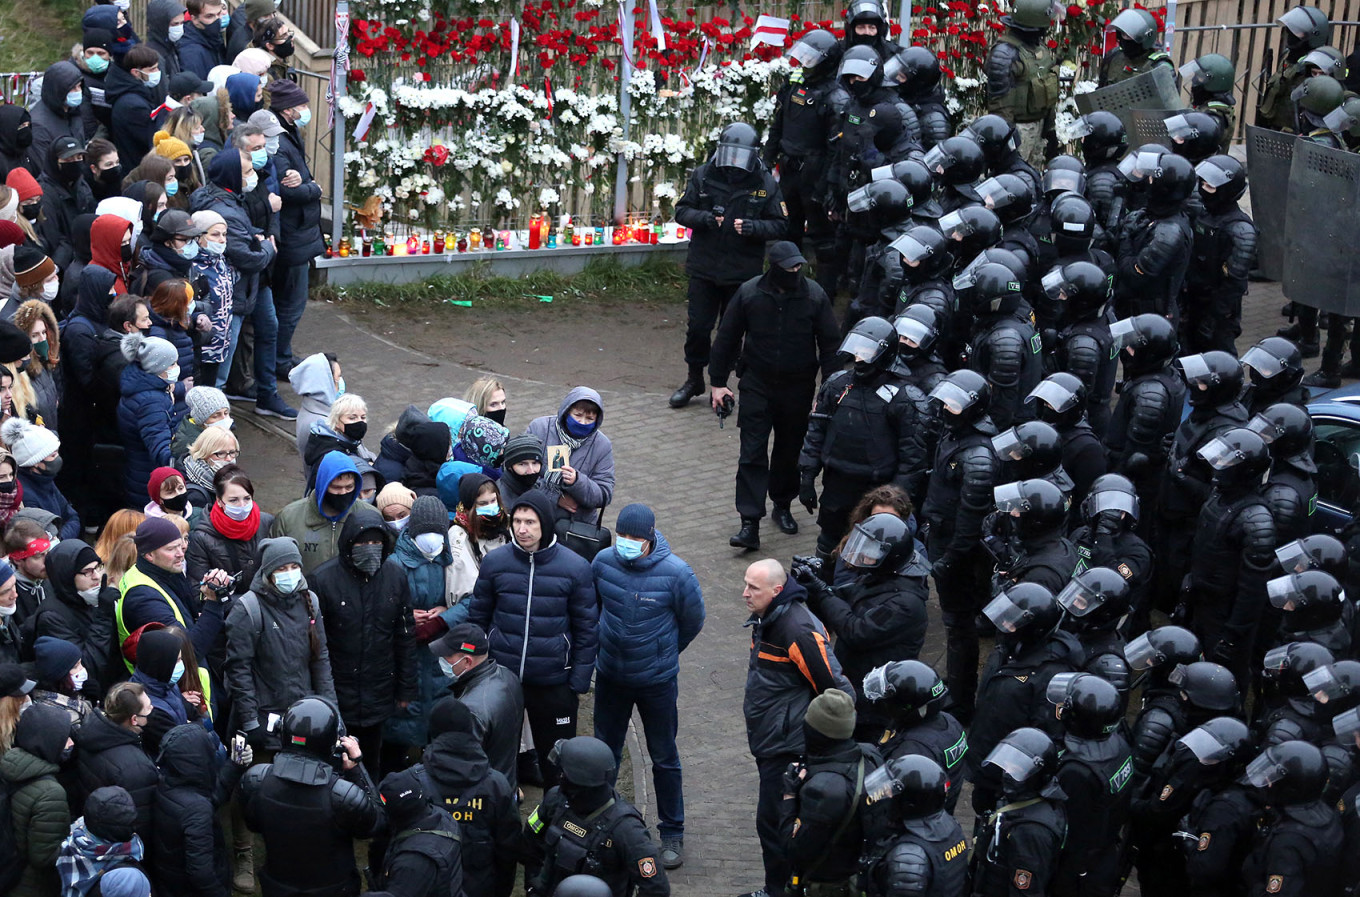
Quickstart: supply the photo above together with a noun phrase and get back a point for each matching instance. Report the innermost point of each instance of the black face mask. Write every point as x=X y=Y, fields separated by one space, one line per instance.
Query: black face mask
x=110 y=177
x=176 y=503
x=284 y=49
x=356 y=430
x=145 y=331
x=861 y=89
x=68 y=172
x=7 y=488
x=497 y=416
x=183 y=172
x=23 y=138
x=32 y=212
x=126 y=252
x=54 y=466
x=784 y=280
x=336 y=503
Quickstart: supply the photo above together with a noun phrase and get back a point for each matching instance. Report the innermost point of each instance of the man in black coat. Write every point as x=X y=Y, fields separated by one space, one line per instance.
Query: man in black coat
x=779 y=331
x=65 y=195
x=81 y=608
x=422 y=856
x=109 y=752
x=490 y=692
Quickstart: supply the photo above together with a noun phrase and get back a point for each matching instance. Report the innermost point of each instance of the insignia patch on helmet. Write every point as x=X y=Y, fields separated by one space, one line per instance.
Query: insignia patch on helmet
x=647 y=867
x=873 y=112
x=1022 y=879
x=1124 y=571
x=1274 y=884
x=1204 y=840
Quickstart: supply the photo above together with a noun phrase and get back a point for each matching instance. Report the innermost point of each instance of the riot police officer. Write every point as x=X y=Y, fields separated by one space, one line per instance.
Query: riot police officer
x=1298 y=849
x=918 y=334
x=733 y=205
x=924 y=259
x=1156 y=242
x=1000 y=142
x=1108 y=538
x=308 y=814
x=881 y=615
x=807 y=114
x=925 y=853
x=1211 y=78
x=1026 y=535
x=1232 y=551
x=422 y=852
x=1275 y=367
x=1022 y=76
x=1019 y=845
x=1286 y=710
x=881 y=212
x=863 y=432
x=1083 y=347
x=1094 y=603
x=584 y=825
x=958 y=497
x=1011 y=198
x=913 y=174
x=915 y=71
x=911 y=696
x=866 y=26
x=1003 y=345
x=1138 y=52
x=1312 y=609
x=957 y=163
x=1290 y=492
x=1064 y=179
x=1187 y=695
x=1032 y=450
x=1194 y=135
x=1103 y=145
x=1095 y=771
x=1224 y=252
x=1305 y=28
x=1347 y=728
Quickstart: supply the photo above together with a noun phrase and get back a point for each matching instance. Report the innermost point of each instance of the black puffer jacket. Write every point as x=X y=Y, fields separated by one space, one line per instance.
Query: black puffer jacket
x=372 y=648
x=68 y=617
x=300 y=218
x=188 y=850
x=210 y=550
x=109 y=754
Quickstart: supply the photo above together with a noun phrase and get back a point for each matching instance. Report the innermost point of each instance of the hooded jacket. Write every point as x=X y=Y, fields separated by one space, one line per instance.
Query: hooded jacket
x=40 y=491
x=132 y=101
x=392 y=452
x=493 y=696
x=300 y=217
x=371 y=646
x=110 y=754
x=202 y=48
x=79 y=350
x=159 y=15
x=539 y=609
x=146 y=422
x=12 y=155
x=316 y=532
x=41 y=816
x=70 y=618
x=52 y=118
x=651 y=608
x=314 y=385
x=270 y=663
x=187 y=841
x=593 y=461
x=322 y=440
x=61 y=203
x=106 y=250
x=211 y=109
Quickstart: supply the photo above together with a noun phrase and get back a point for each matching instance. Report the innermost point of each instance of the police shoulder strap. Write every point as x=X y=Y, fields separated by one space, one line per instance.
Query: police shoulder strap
x=452 y=836
x=849 y=817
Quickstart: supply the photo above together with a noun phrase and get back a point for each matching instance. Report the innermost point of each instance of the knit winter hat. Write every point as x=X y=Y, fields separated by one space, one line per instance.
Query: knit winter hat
x=394 y=494
x=252 y=61
x=110 y=813
x=31 y=266
x=6 y=572
x=158 y=478
x=154 y=533
x=274 y=553
x=524 y=447
x=637 y=521
x=450 y=715
x=204 y=402
x=97 y=39
x=428 y=515
x=153 y=354
x=11 y=234
x=14 y=343
x=53 y=658
x=285 y=95
x=28 y=443
x=832 y=713
x=469 y=486
x=24 y=183
x=429 y=441
x=169 y=147
x=206 y=219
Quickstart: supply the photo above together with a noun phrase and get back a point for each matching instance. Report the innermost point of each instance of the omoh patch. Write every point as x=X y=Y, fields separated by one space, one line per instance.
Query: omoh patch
x=1022 y=879
x=647 y=867
x=783 y=209
x=1275 y=884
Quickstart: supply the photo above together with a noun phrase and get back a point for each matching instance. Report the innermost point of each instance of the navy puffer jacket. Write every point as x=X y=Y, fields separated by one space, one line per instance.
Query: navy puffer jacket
x=174 y=333
x=144 y=421
x=539 y=610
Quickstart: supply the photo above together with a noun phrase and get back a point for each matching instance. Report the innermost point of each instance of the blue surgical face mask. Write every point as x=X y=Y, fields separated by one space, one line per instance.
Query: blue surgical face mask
x=172 y=187
x=304 y=118
x=446 y=668
x=629 y=549
x=190 y=250
x=74 y=99
x=287 y=581
x=340 y=391
x=97 y=64
x=217 y=248
x=153 y=79
x=490 y=510
x=177 y=673
x=258 y=158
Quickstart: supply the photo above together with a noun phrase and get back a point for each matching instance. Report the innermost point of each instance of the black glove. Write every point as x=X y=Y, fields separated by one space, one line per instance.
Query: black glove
x=1135 y=462
x=1108 y=523
x=940 y=569
x=257 y=737
x=793 y=777
x=807 y=493
x=1223 y=652
x=817 y=592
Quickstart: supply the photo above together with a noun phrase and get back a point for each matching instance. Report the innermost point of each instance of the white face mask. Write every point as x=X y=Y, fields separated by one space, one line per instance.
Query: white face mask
x=8 y=611
x=176 y=32
x=91 y=595
x=78 y=678
x=239 y=512
x=224 y=423
x=171 y=374
x=287 y=581
x=153 y=79
x=251 y=181
x=217 y=248
x=397 y=526
x=50 y=290
x=430 y=544
x=271 y=145
x=198 y=137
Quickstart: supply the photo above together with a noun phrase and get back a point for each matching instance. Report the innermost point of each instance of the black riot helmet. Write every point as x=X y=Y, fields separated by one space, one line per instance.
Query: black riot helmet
x=1285 y=665
x=967 y=275
x=1059 y=399
x=915 y=784
x=1136 y=30
x=738 y=147
x=915 y=70
x=1103 y=137
x=1083 y=290
x=1009 y=196
x=965 y=396
x=925 y=253
x=1221 y=741
x=1316 y=552
x=1064 y=174
x=1213 y=378
x=1030 y=449
x=881 y=542
x=1310 y=600
x=585 y=761
x=1094 y=597
x=1110 y=492
x=1171 y=183
x=994 y=288
x=1293 y=772
x=310 y=726
x=1207 y=686
x=956 y=161
x=1305 y=28
x=971 y=230
x=1072 y=221
x=1165 y=647
x=582 y=885
x=1038 y=506
x=1139 y=165
x=1335 y=686
x=907 y=687
x=861 y=61
x=864 y=12
x=1275 y=365
x=1288 y=431
x=872 y=343
x=1146 y=342
x=1027 y=760
x=997 y=137
x=918 y=328
x=1194 y=135
x=910 y=174
x=817 y=52
x=1239 y=458
x=882 y=202
x=1088 y=706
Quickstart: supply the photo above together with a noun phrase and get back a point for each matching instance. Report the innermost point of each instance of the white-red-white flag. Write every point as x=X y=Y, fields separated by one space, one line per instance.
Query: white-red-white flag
x=365 y=122
x=770 y=30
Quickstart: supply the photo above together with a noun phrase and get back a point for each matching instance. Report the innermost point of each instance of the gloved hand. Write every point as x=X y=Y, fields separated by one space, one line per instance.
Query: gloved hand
x=793 y=777
x=1136 y=462
x=817 y=593
x=941 y=568
x=807 y=493
x=246 y=757
x=257 y=737
x=1109 y=522
x=1223 y=652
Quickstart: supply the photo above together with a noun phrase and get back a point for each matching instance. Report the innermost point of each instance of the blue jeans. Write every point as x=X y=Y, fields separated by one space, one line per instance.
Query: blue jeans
x=266 y=326
x=290 y=300
x=233 y=337
x=614 y=703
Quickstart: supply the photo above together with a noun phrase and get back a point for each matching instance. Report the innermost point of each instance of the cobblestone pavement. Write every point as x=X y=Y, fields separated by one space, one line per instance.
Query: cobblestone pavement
x=681 y=464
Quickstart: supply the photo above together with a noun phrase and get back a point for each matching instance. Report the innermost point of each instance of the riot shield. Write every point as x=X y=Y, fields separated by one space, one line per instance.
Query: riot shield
x=1151 y=90
x=1320 y=267
x=1148 y=126
x=1269 y=154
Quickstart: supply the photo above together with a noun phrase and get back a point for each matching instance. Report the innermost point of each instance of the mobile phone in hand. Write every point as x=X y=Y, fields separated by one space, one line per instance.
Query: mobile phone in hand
x=238 y=747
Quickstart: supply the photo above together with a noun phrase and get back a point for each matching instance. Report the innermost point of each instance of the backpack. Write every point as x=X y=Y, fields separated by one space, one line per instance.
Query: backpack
x=11 y=863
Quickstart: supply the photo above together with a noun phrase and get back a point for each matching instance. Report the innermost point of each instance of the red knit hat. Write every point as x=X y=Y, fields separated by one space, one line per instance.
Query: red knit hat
x=11 y=234
x=158 y=477
x=24 y=184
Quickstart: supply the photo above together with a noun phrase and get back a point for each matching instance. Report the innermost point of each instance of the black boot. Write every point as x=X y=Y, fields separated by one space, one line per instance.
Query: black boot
x=748 y=537
x=783 y=518
x=693 y=386
x=1323 y=378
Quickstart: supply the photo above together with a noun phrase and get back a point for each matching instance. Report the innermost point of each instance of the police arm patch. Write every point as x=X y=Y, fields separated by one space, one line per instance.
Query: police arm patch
x=1275 y=884
x=1022 y=879
x=1204 y=840
x=784 y=209
x=647 y=867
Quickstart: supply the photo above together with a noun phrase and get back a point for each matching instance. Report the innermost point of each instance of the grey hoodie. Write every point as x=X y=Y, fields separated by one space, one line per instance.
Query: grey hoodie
x=593 y=461
x=314 y=385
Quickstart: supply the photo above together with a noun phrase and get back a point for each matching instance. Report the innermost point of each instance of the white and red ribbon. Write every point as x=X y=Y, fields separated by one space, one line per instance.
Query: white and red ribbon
x=339 y=62
x=514 y=48
x=658 y=33
x=770 y=30
x=365 y=122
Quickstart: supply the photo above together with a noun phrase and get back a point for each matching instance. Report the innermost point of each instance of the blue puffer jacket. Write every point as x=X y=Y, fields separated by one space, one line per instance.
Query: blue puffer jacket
x=539 y=610
x=144 y=423
x=178 y=337
x=40 y=491
x=651 y=608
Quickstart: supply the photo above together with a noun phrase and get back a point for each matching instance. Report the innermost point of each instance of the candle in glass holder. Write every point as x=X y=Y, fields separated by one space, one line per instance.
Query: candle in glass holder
x=439 y=242
x=390 y=241
x=475 y=239
x=413 y=243
x=462 y=242
x=425 y=247
x=344 y=247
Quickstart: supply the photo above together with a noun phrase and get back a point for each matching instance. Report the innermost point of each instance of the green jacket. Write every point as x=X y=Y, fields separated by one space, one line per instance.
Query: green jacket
x=1275 y=110
x=1117 y=66
x=41 y=817
x=318 y=537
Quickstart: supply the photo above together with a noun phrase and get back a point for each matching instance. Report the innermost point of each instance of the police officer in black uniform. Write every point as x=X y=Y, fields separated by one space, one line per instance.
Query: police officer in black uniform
x=733 y=205
x=925 y=257
x=879 y=616
x=1194 y=135
x=1083 y=346
x=1064 y=177
x=308 y=814
x=971 y=229
x=1285 y=709
x=1060 y=402
x=779 y=332
x=1094 y=604
x=584 y=825
x=1032 y=450
x=1108 y=538
x=1019 y=845
x=1156 y=242
x=1290 y=490
x=1103 y=145
x=918 y=335
x=1010 y=197
x=881 y=210
x=1027 y=536
x=421 y=854
x=1095 y=771
x=1224 y=253
x=1232 y=552
x=911 y=696
x=915 y=72
x=1297 y=850
x=1003 y=346
x=864 y=431
x=866 y=26
x=1313 y=610
x=957 y=163
x=1000 y=142
x=958 y=497
x=925 y=853
x=1275 y=368
x=1189 y=695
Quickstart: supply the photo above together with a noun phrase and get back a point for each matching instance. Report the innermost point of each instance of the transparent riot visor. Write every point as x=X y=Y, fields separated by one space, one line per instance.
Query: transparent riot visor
x=859 y=199
x=881 y=784
x=1265 y=771
x=1178 y=128
x=1324 y=686
x=895 y=69
x=1347 y=725
x=1264 y=427
x=1009 y=445
x=1207 y=749
x=733 y=156
x=1053 y=284
x=1276 y=660
x=1282 y=592
x=1063 y=179
x=1013 y=762
x=1125 y=334
x=937 y=160
x=1194 y=367
x=1079 y=599
x=881 y=173
x=1056 y=396
x=1297 y=21
x=863 y=550
x=1294 y=557
x=1081 y=128
x=913 y=331
x=1008 y=497
x=1256 y=358
x=1111 y=500
x=993 y=194
x=876 y=683
x=953 y=225
x=1193 y=73
x=862 y=68
x=1219 y=455
x=805 y=54
x=1136 y=166
x=1320 y=60
x=968 y=276
x=1141 y=655
x=1059 y=687
x=1004 y=613
x=860 y=347
x=1338 y=120
x=911 y=249
x=953 y=397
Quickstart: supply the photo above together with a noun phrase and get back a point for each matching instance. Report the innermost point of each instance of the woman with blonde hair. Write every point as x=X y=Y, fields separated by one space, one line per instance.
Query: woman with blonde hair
x=9 y=211
x=181 y=158
x=488 y=395
x=123 y=522
x=16 y=398
x=213 y=450
x=342 y=431
x=185 y=124
x=35 y=318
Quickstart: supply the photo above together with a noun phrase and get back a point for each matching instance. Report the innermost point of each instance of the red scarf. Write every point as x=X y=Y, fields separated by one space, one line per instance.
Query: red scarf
x=238 y=530
x=11 y=502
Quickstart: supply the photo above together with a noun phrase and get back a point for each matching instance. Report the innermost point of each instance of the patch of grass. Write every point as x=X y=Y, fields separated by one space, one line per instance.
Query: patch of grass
x=36 y=33
x=603 y=280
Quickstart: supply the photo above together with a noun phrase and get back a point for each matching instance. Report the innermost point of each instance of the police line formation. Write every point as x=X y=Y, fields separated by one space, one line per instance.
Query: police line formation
x=1149 y=539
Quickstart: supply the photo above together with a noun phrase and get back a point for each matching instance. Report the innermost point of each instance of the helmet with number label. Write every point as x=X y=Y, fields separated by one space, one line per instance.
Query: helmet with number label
x=1088 y=706
x=907 y=687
